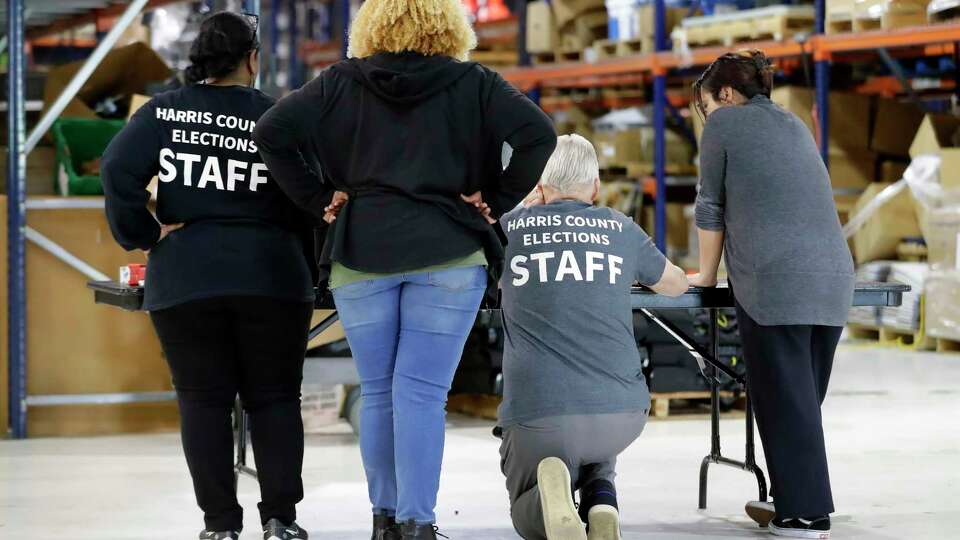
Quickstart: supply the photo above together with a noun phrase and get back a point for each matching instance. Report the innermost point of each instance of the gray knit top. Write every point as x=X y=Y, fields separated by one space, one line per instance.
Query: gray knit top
x=763 y=183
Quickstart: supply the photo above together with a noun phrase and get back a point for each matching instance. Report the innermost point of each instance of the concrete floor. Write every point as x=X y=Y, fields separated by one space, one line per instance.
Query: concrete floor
x=893 y=432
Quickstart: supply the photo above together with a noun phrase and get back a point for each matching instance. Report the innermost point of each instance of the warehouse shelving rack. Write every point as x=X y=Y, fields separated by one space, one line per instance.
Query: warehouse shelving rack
x=38 y=18
x=932 y=40
x=27 y=20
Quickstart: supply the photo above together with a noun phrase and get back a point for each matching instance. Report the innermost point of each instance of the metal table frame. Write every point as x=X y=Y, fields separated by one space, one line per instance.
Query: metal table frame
x=644 y=301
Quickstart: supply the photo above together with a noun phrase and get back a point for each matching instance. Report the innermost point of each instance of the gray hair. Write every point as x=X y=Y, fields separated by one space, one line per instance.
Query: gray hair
x=573 y=166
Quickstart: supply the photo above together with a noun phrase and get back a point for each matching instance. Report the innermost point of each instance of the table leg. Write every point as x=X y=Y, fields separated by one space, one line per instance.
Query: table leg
x=713 y=334
x=749 y=463
x=750 y=454
x=241 y=421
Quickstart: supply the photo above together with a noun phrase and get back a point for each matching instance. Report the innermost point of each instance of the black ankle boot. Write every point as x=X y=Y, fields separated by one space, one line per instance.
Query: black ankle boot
x=385 y=527
x=412 y=531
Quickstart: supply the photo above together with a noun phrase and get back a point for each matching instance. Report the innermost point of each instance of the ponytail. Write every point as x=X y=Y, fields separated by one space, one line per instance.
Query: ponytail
x=224 y=41
x=748 y=71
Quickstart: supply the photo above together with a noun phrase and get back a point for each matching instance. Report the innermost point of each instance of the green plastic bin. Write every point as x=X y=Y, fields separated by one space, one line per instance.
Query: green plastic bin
x=79 y=140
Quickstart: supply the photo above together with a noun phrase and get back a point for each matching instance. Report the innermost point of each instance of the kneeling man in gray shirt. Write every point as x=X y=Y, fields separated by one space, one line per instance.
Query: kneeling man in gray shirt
x=574 y=392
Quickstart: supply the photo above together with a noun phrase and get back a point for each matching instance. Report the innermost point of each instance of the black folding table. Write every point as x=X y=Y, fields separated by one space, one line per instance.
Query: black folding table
x=644 y=301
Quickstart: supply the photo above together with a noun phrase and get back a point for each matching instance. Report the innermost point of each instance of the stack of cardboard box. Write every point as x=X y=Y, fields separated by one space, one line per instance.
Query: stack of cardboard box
x=565 y=25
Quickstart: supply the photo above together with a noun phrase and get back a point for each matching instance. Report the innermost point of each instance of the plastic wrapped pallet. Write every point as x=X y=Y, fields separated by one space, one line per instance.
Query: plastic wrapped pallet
x=320 y=406
x=906 y=316
x=878 y=271
x=943 y=304
x=941 y=233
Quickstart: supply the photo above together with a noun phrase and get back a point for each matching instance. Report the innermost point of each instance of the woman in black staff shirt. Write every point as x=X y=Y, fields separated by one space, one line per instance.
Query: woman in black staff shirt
x=229 y=285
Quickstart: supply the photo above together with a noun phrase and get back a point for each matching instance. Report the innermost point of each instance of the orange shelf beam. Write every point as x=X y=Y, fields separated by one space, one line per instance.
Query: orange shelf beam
x=703 y=56
x=935 y=34
x=526 y=78
x=930 y=40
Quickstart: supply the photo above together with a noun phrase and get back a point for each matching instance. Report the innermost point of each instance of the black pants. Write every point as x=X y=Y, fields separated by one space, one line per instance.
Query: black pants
x=788 y=369
x=251 y=346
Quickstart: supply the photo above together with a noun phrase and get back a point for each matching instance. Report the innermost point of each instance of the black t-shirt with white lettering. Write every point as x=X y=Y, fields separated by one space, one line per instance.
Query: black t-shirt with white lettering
x=242 y=236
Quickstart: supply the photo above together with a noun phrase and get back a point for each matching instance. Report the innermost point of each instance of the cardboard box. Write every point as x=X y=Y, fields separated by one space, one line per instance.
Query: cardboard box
x=880 y=235
x=937 y=135
x=542 y=34
x=891 y=171
x=895 y=126
x=849 y=115
x=620 y=148
x=41 y=166
x=76 y=346
x=942 y=304
x=124 y=71
x=566 y=11
x=678 y=227
x=851 y=172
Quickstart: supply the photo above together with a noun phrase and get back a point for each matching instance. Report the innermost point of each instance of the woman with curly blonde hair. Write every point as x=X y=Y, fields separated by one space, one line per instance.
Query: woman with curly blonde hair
x=399 y=149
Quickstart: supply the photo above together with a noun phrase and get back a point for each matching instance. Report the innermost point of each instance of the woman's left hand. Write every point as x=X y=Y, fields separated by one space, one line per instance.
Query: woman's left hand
x=476 y=200
x=702 y=280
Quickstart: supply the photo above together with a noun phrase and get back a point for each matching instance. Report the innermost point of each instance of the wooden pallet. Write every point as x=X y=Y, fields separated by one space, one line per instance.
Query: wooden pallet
x=683 y=403
x=775 y=23
x=503 y=57
x=643 y=170
x=475 y=405
x=663 y=405
x=947 y=345
x=893 y=337
x=839 y=23
x=609 y=48
x=556 y=57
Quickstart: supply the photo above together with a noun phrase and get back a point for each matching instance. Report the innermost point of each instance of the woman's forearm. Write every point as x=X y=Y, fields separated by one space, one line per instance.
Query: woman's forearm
x=711 y=249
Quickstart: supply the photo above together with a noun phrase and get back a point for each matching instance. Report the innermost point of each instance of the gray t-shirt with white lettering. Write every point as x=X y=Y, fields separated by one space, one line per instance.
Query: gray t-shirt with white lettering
x=569 y=345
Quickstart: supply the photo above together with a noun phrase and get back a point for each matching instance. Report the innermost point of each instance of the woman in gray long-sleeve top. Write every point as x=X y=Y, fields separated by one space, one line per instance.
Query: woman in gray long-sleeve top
x=765 y=199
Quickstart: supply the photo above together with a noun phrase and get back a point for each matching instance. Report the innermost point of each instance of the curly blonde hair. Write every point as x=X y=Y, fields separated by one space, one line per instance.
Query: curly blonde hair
x=428 y=27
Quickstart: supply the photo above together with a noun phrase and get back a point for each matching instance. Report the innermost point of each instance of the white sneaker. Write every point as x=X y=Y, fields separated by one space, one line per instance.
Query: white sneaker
x=560 y=518
x=762 y=512
x=604 y=523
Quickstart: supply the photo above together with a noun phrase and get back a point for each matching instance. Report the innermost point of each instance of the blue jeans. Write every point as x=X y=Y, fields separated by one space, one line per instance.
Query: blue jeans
x=407 y=334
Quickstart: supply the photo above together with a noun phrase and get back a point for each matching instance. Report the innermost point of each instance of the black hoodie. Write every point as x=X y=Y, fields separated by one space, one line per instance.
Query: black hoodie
x=405 y=135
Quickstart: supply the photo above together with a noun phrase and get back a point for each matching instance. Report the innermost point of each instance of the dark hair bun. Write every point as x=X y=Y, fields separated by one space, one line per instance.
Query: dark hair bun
x=222 y=44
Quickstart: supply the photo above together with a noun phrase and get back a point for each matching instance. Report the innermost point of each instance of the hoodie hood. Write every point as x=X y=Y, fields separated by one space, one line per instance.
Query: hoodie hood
x=405 y=78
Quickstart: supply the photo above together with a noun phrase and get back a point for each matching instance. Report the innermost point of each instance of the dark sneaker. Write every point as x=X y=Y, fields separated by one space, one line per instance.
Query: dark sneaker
x=815 y=528
x=560 y=518
x=762 y=512
x=222 y=535
x=412 y=530
x=274 y=530
x=385 y=527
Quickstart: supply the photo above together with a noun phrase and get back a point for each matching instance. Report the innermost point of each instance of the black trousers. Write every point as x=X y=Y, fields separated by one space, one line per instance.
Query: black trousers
x=788 y=369
x=251 y=346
